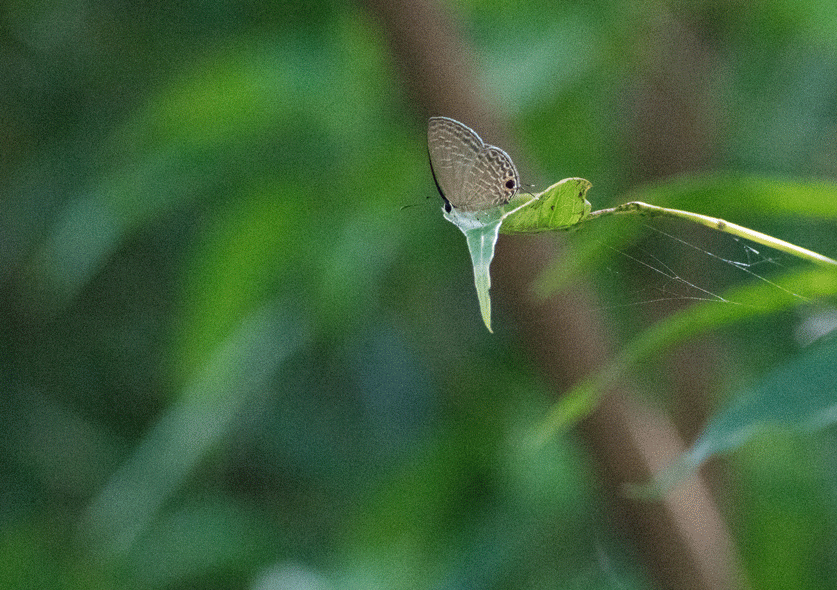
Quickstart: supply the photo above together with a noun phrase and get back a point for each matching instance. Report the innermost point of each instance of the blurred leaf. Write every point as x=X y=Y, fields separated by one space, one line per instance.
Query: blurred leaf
x=289 y=574
x=800 y=396
x=191 y=429
x=208 y=538
x=472 y=506
x=243 y=256
x=758 y=299
x=786 y=479
x=730 y=195
x=168 y=152
x=355 y=253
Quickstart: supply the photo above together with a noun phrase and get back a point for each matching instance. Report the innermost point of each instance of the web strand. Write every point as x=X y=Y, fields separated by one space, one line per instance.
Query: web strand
x=742 y=266
x=654 y=263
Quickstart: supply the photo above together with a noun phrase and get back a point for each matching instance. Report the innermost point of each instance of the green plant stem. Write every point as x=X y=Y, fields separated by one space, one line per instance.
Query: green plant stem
x=718 y=224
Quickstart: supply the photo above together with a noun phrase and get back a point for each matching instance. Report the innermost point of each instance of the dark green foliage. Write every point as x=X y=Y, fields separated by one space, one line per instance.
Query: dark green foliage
x=229 y=360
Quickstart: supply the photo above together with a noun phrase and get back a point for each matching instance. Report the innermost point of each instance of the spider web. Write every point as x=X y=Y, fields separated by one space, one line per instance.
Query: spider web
x=671 y=278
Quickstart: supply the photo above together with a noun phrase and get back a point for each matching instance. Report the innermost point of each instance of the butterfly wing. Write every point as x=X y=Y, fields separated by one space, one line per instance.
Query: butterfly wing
x=453 y=149
x=491 y=181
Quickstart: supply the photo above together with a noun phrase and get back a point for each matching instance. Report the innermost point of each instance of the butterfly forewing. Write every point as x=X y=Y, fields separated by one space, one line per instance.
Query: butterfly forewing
x=453 y=148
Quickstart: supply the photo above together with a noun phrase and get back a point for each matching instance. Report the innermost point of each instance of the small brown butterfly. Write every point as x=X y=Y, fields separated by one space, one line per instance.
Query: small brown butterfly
x=470 y=174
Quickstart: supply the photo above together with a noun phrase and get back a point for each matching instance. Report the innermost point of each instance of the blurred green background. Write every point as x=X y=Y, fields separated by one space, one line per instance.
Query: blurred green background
x=231 y=360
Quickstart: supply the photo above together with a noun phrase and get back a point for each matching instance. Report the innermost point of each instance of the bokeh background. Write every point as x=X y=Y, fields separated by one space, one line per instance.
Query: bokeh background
x=230 y=359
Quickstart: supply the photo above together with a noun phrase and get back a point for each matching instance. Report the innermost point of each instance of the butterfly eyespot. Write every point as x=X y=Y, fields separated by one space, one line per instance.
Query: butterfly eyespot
x=510 y=184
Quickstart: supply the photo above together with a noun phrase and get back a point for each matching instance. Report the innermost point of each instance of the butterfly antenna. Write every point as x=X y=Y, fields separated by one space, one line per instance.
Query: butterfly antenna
x=414 y=204
x=528 y=192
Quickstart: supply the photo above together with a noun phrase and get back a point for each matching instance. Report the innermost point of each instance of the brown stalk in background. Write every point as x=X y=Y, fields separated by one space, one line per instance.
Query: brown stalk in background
x=683 y=539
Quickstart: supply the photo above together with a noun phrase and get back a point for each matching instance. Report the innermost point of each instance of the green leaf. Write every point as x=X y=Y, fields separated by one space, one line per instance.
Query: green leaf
x=561 y=206
x=481 y=229
x=481 y=243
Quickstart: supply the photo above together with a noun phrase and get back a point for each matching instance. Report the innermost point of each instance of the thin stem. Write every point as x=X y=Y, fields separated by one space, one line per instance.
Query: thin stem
x=717 y=224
